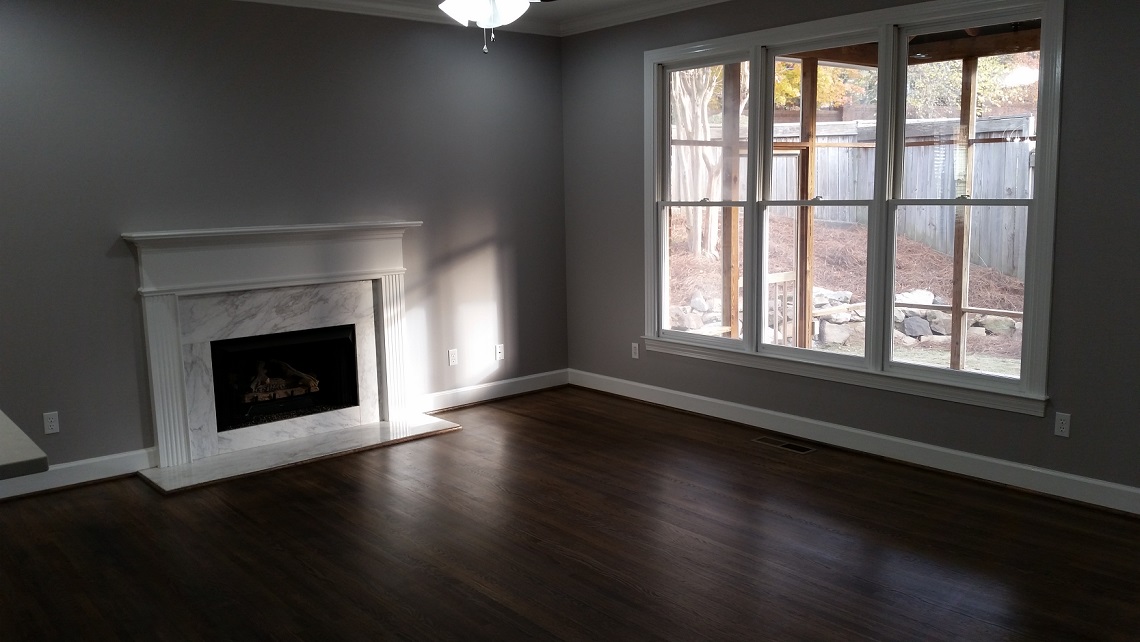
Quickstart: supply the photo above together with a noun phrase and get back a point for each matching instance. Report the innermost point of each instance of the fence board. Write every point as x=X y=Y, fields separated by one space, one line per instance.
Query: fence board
x=1002 y=170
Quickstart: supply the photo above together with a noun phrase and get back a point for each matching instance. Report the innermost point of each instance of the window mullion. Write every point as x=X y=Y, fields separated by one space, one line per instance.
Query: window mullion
x=761 y=131
x=880 y=250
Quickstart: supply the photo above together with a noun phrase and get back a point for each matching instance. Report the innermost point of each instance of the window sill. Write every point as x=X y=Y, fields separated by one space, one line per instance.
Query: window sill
x=1024 y=403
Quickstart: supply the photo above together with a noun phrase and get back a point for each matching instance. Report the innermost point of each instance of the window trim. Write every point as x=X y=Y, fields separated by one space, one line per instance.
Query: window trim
x=1028 y=394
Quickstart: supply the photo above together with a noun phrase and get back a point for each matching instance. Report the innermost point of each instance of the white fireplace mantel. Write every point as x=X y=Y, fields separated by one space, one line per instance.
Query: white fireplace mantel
x=176 y=265
x=246 y=258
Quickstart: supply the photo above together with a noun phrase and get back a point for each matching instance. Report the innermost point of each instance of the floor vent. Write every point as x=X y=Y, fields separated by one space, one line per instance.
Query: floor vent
x=779 y=443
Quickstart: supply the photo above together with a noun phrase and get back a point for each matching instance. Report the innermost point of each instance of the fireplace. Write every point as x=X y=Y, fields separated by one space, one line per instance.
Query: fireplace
x=227 y=313
x=284 y=375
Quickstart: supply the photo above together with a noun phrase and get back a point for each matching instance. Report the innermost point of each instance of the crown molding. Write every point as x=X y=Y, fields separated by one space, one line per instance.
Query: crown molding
x=404 y=10
x=629 y=13
x=380 y=8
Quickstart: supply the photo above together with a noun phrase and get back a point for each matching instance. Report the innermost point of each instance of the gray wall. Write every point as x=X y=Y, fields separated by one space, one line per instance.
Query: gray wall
x=134 y=115
x=1093 y=346
x=161 y=114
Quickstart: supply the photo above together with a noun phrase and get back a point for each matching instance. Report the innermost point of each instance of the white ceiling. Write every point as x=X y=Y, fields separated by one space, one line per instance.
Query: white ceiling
x=561 y=18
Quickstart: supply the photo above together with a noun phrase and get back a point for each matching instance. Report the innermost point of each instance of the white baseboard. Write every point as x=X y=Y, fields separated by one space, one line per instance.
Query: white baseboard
x=88 y=470
x=80 y=472
x=1041 y=480
x=494 y=390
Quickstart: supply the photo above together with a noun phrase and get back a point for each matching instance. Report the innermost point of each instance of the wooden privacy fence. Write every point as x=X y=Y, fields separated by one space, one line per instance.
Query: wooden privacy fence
x=1002 y=170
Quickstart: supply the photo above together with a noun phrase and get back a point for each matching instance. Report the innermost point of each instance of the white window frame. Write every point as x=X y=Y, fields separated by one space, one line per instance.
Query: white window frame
x=1026 y=394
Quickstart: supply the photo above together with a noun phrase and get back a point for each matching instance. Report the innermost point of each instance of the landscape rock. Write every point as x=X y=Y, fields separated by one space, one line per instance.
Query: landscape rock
x=916 y=327
x=677 y=317
x=834 y=333
x=921 y=297
x=902 y=339
x=699 y=304
x=939 y=321
x=1001 y=326
x=824 y=298
x=912 y=326
x=683 y=317
x=903 y=313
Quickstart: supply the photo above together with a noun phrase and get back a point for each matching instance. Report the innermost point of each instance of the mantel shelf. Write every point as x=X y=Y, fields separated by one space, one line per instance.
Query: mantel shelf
x=227 y=259
x=207 y=236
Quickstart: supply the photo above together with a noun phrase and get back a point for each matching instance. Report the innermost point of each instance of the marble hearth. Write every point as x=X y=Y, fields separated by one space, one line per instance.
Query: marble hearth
x=231 y=315
x=199 y=286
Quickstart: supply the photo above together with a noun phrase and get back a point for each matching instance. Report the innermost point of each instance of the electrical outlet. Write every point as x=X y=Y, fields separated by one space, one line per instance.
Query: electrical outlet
x=51 y=423
x=1062 y=423
x=500 y=354
x=634 y=354
x=453 y=357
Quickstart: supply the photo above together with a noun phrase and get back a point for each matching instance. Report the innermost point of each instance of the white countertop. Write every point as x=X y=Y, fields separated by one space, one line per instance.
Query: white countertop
x=19 y=455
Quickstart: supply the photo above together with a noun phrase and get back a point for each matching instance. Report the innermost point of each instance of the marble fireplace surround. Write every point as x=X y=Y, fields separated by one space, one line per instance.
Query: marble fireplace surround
x=206 y=318
x=203 y=285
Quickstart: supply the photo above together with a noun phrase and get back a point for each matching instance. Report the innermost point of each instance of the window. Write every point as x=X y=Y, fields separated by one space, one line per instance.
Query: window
x=866 y=199
x=821 y=156
x=969 y=137
x=707 y=162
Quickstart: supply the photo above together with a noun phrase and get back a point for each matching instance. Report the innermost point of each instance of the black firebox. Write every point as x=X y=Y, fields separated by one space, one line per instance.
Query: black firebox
x=273 y=377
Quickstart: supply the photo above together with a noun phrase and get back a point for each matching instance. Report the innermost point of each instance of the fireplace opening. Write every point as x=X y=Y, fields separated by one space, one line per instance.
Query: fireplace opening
x=273 y=377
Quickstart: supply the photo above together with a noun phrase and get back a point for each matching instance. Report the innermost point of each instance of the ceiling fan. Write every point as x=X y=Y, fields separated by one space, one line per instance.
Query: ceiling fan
x=487 y=14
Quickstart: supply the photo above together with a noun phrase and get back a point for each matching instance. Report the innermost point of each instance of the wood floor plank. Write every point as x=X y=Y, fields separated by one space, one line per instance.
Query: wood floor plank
x=570 y=515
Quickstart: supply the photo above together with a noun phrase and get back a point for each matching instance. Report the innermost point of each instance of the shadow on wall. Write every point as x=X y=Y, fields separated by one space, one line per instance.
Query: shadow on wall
x=462 y=301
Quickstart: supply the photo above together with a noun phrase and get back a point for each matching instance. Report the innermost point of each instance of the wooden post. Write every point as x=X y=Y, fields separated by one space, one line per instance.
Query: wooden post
x=962 y=213
x=805 y=226
x=730 y=186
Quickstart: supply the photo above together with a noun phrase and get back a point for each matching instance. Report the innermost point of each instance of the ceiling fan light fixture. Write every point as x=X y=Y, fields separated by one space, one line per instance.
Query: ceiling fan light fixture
x=487 y=14
x=457 y=9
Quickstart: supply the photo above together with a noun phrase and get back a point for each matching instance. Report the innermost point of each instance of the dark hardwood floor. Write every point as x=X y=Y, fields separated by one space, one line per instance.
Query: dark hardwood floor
x=569 y=514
